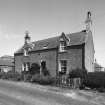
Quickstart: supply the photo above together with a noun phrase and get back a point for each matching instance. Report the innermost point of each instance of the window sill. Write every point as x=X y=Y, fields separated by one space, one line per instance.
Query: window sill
x=63 y=51
x=26 y=55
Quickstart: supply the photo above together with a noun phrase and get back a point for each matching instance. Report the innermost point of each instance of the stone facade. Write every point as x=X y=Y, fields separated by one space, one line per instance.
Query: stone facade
x=73 y=57
x=89 y=53
x=59 y=54
x=38 y=57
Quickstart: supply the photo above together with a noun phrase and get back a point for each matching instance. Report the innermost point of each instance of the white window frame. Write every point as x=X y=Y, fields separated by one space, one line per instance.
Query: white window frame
x=26 y=52
x=25 y=66
x=62 y=46
x=63 y=66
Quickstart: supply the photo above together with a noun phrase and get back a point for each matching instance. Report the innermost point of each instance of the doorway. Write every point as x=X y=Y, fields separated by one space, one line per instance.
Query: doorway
x=43 y=65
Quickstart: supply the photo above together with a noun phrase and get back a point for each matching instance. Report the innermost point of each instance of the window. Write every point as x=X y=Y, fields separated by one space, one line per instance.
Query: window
x=63 y=66
x=62 y=46
x=25 y=52
x=44 y=47
x=26 y=66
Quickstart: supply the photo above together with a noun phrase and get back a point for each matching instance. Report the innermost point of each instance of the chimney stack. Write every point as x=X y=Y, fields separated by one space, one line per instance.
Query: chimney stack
x=88 y=21
x=27 y=38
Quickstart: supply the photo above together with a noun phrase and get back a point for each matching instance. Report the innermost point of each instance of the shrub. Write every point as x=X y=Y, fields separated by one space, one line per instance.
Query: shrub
x=78 y=73
x=95 y=80
x=27 y=77
x=35 y=78
x=11 y=75
x=101 y=89
x=45 y=80
x=14 y=76
x=2 y=75
x=35 y=68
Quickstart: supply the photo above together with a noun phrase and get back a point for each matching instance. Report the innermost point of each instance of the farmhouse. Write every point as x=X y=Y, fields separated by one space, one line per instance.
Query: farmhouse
x=63 y=53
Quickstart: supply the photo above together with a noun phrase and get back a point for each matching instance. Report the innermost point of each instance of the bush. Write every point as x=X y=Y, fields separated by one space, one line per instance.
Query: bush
x=35 y=68
x=14 y=76
x=2 y=75
x=95 y=80
x=78 y=73
x=101 y=89
x=27 y=77
x=45 y=80
x=35 y=78
x=11 y=75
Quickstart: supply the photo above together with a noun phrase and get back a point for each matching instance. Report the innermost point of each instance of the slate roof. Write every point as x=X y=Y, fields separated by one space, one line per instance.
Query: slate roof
x=75 y=39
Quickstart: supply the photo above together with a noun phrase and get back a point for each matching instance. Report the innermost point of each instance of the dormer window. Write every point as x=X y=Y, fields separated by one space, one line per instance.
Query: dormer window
x=25 y=52
x=28 y=46
x=44 y=47
x=62 y=47
x=63 y=42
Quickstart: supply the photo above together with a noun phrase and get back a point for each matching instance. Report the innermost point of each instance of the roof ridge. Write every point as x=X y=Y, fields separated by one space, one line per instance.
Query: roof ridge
x=45 y=39
x=75 y=39
x=58 y=36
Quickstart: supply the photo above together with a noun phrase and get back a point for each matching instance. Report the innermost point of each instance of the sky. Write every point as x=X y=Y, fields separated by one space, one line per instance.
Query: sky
x=49 y=18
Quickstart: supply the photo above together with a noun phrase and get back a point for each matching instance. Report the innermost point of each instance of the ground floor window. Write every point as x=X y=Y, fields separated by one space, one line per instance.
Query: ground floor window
x=63 y=66
x=26 y=66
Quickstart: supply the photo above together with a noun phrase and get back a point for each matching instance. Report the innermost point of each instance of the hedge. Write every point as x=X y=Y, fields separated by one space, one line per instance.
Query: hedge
x=95 y=80
x=78 y=73
x=11 y=75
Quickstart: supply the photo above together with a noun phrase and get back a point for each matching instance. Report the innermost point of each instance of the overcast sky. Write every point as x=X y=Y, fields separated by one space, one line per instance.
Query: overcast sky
x=49 y=18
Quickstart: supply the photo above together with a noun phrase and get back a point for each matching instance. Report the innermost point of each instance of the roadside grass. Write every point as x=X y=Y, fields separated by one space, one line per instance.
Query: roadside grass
x=91 y=96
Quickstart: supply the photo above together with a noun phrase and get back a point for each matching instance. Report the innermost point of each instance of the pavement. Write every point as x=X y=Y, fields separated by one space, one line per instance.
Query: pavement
x=21 y=93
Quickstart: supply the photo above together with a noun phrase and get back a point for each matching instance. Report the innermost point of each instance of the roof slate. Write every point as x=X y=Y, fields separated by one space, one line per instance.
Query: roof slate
x=75 y=39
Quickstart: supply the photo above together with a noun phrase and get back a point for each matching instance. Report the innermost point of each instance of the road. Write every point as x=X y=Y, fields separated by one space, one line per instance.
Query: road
x=12 y=93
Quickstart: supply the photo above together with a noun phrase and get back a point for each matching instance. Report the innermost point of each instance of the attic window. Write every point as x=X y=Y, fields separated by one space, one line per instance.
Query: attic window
x=44 y=47
x=25 y=52
x=61 y=39
x=62 y=47
x=68 y=41
x=33 y=45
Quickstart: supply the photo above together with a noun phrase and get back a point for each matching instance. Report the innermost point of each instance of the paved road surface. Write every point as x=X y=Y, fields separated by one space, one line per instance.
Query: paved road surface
x=17 y=94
